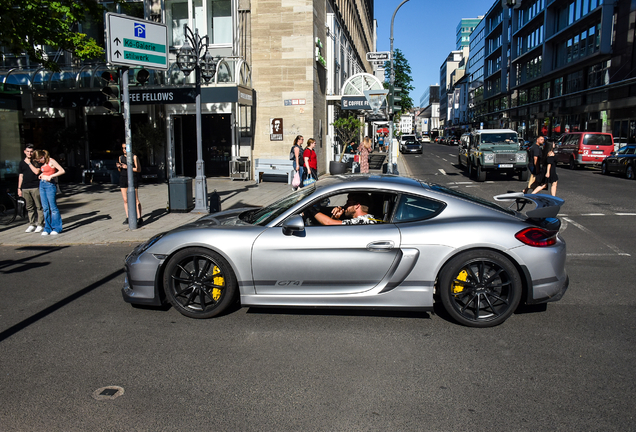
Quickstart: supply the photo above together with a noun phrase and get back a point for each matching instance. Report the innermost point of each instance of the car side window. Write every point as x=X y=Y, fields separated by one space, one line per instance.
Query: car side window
x=415 y=208
x=630 y=150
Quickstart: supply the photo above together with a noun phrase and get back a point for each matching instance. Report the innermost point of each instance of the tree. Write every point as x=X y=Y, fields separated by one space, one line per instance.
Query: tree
x=402 y=80
x=27 y=25
x=347 y=129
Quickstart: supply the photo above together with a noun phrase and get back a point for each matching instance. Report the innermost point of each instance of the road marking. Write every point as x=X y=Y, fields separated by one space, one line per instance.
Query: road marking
x=594 y=254
x=444 y=160
x=442 y=171
x=593 y=214
x=590 y=233
x=625 y=214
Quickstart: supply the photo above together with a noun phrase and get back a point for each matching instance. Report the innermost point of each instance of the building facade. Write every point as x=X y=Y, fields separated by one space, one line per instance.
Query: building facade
x=275 y=61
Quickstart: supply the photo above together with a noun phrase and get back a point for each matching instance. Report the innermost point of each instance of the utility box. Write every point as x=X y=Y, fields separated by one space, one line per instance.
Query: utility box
x=180 y=194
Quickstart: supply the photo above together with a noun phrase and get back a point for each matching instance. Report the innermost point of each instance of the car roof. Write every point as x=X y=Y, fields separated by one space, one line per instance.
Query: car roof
x=368 y=180
x=494 y=131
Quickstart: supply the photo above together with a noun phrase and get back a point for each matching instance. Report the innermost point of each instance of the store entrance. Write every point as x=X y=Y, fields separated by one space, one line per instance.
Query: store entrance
x=216 y=131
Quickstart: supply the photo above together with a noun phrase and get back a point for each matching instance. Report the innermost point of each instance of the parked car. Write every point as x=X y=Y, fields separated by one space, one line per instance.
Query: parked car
x=428 y=243
x=492 y=150
x=583 y=148
x=425 y=139
x=452 y=140
x=150 y=174
x=623 y=162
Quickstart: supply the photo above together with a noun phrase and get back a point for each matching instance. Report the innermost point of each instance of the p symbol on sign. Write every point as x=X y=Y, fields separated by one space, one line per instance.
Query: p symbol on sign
x=140 y=30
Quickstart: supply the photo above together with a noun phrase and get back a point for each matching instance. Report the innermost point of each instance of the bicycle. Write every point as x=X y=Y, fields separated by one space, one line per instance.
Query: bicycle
x=8 y=208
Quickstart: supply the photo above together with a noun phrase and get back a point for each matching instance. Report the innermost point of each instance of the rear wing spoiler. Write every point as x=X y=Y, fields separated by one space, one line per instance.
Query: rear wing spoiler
x=546 y=206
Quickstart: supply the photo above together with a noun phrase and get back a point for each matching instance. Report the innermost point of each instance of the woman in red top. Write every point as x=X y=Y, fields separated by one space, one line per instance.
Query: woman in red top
x=50 y=169
x=311 y=161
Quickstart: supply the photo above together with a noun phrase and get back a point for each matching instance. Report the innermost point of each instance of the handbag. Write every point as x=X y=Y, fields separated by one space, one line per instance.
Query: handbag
x=296 y=180
x=308 y=179
x=22 y=210
x=356 y=158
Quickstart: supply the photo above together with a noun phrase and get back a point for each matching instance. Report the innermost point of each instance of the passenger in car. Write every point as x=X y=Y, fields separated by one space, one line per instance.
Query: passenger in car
x=354 y=212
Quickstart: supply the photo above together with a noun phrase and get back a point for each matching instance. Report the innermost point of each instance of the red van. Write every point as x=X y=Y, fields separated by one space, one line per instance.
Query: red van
x=583 y=148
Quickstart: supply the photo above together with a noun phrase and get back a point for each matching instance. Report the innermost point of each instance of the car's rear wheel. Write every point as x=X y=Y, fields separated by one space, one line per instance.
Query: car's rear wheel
x=572 y=164
x=523 y=175
x=604 y=170
x=199 y=283
x=629 y=172
x=471 y=170
x=480 y=288
x=459 y=162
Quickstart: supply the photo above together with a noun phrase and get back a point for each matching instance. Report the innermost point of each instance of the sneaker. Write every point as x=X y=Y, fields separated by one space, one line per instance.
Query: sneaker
x=39 y=229
x=30 y=229
x=125 y=222
x=45 y=233
x=54 y=233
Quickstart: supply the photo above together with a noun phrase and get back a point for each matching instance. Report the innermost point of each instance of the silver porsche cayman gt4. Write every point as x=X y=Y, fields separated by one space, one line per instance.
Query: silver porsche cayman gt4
x=419 y=243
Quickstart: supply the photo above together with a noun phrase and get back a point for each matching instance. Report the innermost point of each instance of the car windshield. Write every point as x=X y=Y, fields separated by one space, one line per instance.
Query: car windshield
x=469 y=197
x=499 y=138
x=265 y=215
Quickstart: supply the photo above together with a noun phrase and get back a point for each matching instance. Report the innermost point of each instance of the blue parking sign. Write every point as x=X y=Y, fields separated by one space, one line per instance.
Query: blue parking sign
x=140 y=30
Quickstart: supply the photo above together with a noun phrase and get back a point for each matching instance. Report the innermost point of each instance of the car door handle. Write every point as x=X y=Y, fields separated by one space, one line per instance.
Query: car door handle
x=381 y=246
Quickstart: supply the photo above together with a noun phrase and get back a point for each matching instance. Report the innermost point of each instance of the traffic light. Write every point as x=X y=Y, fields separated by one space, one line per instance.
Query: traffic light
x=112 y=91
x=396 y=100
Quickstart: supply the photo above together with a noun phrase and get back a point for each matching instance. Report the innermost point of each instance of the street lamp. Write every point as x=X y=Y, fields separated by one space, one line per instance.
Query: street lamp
x=194 y=55
x=389 y=167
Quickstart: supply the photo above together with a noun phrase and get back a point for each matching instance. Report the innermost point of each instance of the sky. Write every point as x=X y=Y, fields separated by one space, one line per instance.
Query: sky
x=424 y=30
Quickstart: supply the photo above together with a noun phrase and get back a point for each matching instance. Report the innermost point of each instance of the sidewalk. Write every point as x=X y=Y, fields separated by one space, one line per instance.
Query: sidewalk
x=94 y=213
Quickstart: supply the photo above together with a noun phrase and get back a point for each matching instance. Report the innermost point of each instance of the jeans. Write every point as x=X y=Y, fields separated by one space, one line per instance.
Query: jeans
x=52 y=217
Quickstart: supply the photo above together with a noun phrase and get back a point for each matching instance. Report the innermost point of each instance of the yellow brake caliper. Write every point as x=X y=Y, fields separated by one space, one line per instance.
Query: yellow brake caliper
x=459 y=287
x=219 y=281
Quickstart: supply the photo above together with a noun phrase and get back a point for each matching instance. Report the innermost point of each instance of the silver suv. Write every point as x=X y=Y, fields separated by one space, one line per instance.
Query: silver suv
x=494 y=150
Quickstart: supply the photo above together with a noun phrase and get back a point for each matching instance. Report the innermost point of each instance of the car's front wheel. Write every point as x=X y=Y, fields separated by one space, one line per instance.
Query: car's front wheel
x=480 y=288
x=481 y=174
x=199 y=283
x=629 y=172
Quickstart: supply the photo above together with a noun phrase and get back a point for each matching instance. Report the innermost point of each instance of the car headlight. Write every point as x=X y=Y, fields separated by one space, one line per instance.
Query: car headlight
x=143 y=247
x=521 y=157
x=489 y=157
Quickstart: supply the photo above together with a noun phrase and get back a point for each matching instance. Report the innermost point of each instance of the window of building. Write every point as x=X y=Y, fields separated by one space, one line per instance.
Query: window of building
x=598 y=74
x=558 y=86
x=574 y=82
x=212 y=18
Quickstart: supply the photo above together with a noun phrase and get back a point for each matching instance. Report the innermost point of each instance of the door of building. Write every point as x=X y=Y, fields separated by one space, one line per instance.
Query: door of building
x=216 y=131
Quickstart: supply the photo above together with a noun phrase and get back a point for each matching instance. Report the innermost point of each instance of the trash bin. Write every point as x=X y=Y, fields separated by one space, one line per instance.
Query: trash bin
x=180 y=194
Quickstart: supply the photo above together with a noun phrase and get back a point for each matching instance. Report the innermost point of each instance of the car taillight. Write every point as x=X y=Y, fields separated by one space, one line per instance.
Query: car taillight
x=536 y=237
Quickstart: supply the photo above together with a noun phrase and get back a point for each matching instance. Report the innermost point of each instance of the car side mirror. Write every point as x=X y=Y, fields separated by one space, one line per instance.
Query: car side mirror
x=294 y=225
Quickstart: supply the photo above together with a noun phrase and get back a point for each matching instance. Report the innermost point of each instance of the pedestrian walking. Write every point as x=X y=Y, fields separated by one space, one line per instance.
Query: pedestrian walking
x=535 y=154
x=549 y=176
x=311 y=160
x=122 y=166
x=49 y=171
x=29 y=189
x=365 y=149
x=297 y=157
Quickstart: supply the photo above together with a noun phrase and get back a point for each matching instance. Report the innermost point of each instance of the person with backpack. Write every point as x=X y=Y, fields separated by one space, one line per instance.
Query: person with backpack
x=296 y=155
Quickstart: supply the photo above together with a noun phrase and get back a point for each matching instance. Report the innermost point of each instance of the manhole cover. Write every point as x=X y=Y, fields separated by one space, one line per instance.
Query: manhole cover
x=108 y=393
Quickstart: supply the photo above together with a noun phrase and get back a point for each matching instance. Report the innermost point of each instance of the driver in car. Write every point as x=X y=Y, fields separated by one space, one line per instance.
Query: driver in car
x=354 y=212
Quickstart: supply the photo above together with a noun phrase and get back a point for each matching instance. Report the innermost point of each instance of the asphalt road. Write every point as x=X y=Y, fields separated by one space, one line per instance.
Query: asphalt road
x=65 y=333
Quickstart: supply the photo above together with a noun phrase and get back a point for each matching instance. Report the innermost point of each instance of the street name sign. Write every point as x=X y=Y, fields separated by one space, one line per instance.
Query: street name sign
x=379 y=56
x=134 y=42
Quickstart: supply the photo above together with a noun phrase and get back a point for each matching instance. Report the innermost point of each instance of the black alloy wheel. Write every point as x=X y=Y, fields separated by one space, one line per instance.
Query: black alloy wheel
x=480 y=288
x=199 y=283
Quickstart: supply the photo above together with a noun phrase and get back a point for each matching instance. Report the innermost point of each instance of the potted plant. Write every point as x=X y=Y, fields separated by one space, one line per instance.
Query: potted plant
x=347 y=129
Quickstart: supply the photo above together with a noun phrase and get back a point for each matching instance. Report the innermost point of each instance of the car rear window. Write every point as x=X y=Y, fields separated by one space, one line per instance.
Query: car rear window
x=599 y=140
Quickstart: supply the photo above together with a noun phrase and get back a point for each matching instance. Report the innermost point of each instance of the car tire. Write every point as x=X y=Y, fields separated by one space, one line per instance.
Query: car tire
x=629 y=172
x=459 y=162
x=480 y=288
x=523 y=175
x=572 y=164
x=481 y=174
x=199 y=283
x=471 y=170
x=604 y=170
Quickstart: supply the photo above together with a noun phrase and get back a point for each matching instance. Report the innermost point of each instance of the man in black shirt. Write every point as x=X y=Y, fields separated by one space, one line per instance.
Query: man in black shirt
x=29 y=189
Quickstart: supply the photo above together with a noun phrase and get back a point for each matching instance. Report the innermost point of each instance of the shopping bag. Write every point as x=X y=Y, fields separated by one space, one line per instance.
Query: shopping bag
x=296 y=180
x=309 y=179
x=356 y=158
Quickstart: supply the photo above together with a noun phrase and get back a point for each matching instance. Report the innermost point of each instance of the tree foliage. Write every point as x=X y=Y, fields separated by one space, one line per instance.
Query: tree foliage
x=347 y=129
x=27 y=25
x=402 y=80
